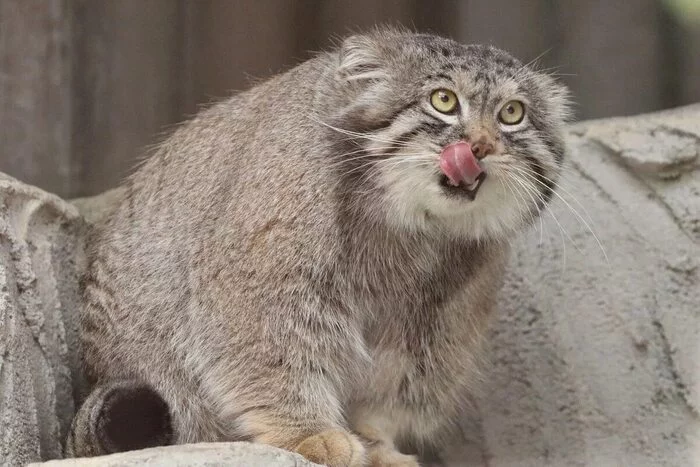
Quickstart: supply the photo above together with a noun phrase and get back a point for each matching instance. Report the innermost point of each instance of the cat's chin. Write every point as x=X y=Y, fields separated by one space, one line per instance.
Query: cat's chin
x=464 y=191
x=486 y=212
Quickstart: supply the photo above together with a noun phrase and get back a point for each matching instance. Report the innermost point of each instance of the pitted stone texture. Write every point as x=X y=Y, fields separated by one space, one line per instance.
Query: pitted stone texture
x=662 y=145
x=40 y=261
x=594 y=355
x=194 y=455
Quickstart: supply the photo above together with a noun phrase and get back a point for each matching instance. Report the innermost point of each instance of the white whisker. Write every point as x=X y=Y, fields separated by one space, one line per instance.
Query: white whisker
x=353 y=133
x=532 y=188
x=576 y=213
x=517 y=198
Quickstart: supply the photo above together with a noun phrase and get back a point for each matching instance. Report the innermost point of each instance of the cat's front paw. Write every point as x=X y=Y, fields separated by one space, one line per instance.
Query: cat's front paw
x=385 y=456
x=334 y=448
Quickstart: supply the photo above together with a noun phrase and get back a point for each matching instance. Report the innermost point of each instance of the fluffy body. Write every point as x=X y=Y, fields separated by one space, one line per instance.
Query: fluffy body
x=287 y=268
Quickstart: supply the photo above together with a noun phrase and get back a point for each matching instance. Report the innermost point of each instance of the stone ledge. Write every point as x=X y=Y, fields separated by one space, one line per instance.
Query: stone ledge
x=193 y=455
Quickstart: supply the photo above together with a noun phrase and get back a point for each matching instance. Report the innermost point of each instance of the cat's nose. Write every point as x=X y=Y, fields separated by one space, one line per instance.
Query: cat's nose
x=482 y=148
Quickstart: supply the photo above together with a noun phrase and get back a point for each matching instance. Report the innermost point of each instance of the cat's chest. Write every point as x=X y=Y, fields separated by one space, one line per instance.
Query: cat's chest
x=406 y=349
x=409 y=306
x=409 y=382
x=420 y=345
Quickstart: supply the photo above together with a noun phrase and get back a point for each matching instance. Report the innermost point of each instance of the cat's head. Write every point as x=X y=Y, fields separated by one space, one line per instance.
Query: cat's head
x=436 y=136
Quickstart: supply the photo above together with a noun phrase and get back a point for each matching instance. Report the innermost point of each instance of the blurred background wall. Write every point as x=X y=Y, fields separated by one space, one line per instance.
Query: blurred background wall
x=87 y=85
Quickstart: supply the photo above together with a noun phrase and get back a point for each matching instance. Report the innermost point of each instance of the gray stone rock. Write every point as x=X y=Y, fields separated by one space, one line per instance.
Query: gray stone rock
x=40 y=263
x=193 y=455
x=664 y=148
x=594 y=352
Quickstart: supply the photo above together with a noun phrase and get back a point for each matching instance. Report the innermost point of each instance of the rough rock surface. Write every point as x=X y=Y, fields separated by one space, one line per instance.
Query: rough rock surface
x=202 y=454
x=40 y=262
x=595 y=351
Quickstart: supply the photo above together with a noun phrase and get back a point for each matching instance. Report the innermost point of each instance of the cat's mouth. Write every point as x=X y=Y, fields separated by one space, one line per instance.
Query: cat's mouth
x=463 y=190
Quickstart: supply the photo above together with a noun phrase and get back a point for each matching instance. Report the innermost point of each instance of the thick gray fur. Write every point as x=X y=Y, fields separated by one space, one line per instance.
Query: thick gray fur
x=287 y=262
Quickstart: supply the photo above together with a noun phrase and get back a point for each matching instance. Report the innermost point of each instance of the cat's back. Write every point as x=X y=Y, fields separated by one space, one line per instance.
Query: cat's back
x=236 y=163
x=240 y=175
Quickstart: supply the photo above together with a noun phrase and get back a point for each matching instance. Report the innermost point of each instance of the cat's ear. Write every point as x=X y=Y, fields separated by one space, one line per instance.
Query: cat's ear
x=360 y=59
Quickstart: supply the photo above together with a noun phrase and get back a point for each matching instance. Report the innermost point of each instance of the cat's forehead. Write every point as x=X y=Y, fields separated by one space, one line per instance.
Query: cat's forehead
x=447 y=51
x=478 y=66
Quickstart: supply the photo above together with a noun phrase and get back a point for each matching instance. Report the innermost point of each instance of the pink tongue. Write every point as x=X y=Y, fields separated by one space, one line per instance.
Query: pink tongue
x=457 y=161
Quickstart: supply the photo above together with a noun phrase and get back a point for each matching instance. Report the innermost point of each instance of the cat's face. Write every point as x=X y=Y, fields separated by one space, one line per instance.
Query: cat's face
x=444 y=137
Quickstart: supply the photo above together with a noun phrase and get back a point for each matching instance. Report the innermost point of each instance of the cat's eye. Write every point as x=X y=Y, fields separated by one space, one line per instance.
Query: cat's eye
x=444 y=100
x=512 y=113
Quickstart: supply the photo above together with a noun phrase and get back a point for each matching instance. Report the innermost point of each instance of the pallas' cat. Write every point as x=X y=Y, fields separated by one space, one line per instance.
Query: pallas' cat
x=312 y=263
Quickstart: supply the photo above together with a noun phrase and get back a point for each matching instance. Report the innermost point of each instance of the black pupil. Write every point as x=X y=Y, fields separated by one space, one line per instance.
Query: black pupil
x=510 y=109
x=444 y=97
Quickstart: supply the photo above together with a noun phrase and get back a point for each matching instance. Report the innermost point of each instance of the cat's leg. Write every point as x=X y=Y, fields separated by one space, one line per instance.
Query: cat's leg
x=117 y=416
x=310 y=427
x=294 y=409
x=378 y=432
x=288 y=394
x=333 y=447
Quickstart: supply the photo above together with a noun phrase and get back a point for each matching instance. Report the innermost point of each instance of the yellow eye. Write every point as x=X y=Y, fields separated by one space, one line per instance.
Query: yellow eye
x=444 y=100
x=512 y=113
